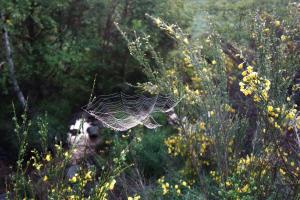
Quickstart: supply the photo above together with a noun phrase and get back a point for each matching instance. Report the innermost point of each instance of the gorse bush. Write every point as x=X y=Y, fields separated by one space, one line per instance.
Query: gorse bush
x=239 y=122
x=44 y=174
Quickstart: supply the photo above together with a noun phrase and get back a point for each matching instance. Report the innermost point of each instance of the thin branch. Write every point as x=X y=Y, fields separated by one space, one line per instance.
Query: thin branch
x=11 y=67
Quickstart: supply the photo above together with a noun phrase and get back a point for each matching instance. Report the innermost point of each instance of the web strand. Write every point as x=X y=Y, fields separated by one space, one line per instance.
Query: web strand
x=121 y=112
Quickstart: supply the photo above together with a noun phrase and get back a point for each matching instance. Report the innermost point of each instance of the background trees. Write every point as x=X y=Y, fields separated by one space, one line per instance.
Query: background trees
x=60 y=47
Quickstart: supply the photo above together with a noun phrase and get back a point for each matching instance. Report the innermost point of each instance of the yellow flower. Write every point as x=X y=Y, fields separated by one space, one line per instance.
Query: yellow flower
x=184 y=183
x=165 y=188
x=256 y=98
x=112 y=184
x=175 y=91
x=170 y=29
x=268 y=83
x=202 y=125
x=157 y=21
x=228 y=183
x=282 y=172
x=137 y=197
x=283 y=38
x=214 y=62
x=265 y=94
x=48 y=157
x=266 y=30
x=8 y=21
x=240 y=66
x=245 y=188
x=270 y=108
x=165 y=191
x=45 y=178
x=73 y=197
x=291 y=115
x=292 y=164
x=38 y=166
x=73 y=179
x=277 y=125
x=244 y=73
x=186 y=41
x=277 y=23
x=250 y=69
x=67 y=155
x=248 y=160
x=58 y=147
x=88 y=176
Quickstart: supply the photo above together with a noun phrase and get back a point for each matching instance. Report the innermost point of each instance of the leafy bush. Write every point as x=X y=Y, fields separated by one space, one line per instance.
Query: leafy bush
x=236 y=114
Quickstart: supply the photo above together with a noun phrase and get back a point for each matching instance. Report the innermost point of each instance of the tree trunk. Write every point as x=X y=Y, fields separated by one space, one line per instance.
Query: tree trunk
x=10 y=63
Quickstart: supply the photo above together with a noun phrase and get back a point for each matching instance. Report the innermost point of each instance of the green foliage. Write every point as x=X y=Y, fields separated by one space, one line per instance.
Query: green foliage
x=150 y=153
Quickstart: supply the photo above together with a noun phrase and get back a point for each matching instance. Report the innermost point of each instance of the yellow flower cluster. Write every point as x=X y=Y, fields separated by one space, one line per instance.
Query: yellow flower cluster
x=243 y=163
x=192 y=96
x=228 y=108
x=170 y=73
x=202 y=125
x=293 y=119
x=215 y=176
x=247 y=167
x=48 y=157
x=164 y=185
x=82 y=179
x=291 y=164
x=282 y=118
x=177 y=144
x=187 y=59
x=172 y=30
x=274 y=113
x=177 y=188
x=244 y=189
x=103 y=189
x=37 y=166
x=252 y=84
x=36 y=160
x=196 y=80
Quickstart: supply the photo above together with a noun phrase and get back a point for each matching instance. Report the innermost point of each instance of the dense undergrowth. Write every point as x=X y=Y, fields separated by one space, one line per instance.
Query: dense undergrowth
x=237 y=131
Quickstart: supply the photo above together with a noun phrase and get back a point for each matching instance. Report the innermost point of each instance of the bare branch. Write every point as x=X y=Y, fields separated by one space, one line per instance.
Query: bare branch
x=11 y=67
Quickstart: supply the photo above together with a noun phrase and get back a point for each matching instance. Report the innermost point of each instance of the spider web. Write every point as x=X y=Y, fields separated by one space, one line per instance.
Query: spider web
x=121 y=112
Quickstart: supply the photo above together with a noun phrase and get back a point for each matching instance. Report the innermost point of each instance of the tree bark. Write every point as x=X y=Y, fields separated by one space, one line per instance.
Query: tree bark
x=10 y=63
